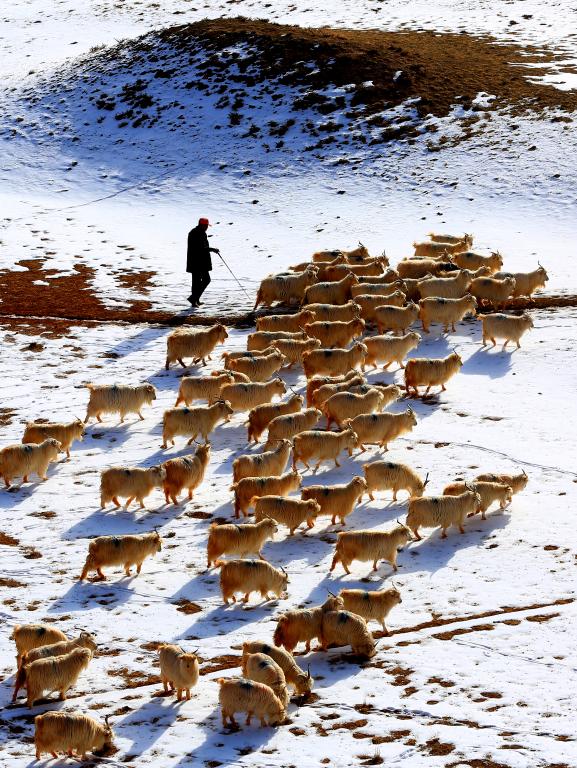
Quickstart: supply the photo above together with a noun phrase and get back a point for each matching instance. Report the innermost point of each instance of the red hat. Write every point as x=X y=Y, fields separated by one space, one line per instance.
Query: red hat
x=205 y=222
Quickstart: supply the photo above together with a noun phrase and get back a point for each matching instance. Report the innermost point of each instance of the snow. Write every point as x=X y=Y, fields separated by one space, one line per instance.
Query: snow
x=501 y=687
x=520 y=558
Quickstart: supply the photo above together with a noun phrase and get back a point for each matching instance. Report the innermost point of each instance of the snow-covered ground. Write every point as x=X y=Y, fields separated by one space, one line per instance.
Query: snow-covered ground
x=479 y=668
x=78 y=189
x=500 y=686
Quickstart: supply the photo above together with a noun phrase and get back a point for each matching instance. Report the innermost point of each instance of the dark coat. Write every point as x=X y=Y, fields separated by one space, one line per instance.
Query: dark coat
x=198 y=251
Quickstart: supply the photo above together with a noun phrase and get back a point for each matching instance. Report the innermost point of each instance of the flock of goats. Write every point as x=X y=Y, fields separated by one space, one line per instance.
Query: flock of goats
x=338 y=295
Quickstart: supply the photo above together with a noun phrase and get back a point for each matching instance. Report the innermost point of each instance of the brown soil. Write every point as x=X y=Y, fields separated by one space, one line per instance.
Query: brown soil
x=365 y=708
x=152 y=645
x=393 y=736
x=439 y=68
x=11 y=583
x=8 y=541
x=219 y=663
x=440 y=622
x=186 y=606
x=31 y=553
x=476 y=763
x=19 y=295
x=199 y=515
x=437 y=748
x=141 y=282
x=45 y=514
x=6 y=415
x=375 y=759
x=349 y=726
x=133 y=679
x=463 y=631
x=71 y=300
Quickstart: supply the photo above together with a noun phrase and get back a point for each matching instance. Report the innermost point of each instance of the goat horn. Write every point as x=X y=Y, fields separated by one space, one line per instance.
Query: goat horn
x=308 y=672
x=332 y=594
x=426 y=480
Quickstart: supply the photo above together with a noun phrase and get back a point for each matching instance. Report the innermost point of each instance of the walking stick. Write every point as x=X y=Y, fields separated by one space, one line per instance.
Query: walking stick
x=235 y=277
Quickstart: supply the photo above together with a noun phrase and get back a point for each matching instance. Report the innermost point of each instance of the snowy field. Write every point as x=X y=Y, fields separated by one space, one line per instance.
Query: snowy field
x=490 y=673
x=479 y=669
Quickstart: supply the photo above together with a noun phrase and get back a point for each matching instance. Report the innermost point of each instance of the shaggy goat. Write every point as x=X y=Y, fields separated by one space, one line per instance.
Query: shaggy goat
x=261 y=464
x=118 y=398
x=65 y=434
x=508 y=327
x=190 y=422
x=247 y=489
x=374 y=605
x=185 y=473
x=370 y=546
x=381 y=428
x=240 y=695
x=322 y=446
x=130 y=483
x=71 y=732
x=22 y=460
x=249 y=576
x=241 y=540
x=426 y=372
x=336 y=500
x=126 y=551
x=392 y=476
x=178 y=670
x=303 y=625
x=197 y=344
x=261 y=416
x=441 y=511
x=294 y=675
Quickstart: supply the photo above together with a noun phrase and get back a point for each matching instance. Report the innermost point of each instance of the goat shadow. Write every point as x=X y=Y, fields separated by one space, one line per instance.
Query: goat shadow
x=223 y=746
x=434 y=553
x=484 y=362
x=145 y=337
x=118 y=522
x=82 y=595
x=230 y=618
x=115 y=433
x=156 y=714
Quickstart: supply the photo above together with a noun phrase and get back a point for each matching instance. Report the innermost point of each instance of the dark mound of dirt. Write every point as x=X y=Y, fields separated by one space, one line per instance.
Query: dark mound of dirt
x=382 y=68
x=339 y=87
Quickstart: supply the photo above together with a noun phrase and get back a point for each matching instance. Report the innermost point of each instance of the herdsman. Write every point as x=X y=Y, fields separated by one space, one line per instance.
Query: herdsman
x=198 y=261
